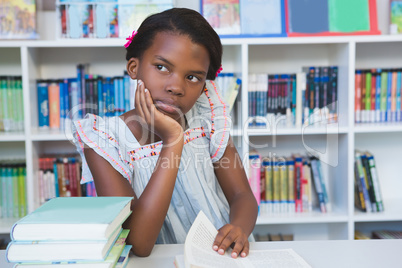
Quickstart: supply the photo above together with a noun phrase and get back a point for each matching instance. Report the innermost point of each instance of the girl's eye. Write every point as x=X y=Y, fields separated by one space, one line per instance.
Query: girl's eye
x=192 y=78
x=161 y=68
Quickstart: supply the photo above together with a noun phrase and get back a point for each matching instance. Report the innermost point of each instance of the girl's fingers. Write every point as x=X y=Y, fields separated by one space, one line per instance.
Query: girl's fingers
x=138 y=105
x=239 y=247
x=246 y=249
x=145 y=110
x=217 y=245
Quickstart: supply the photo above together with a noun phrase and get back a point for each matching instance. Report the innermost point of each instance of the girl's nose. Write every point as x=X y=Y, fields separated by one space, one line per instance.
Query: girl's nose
x=175 y=85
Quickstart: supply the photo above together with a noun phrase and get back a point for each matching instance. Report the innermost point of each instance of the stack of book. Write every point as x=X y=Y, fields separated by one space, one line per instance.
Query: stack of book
x=72 y=231
x=368 y=197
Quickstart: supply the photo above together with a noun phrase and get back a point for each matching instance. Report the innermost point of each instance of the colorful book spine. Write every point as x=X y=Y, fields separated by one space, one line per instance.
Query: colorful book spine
x=267 y=169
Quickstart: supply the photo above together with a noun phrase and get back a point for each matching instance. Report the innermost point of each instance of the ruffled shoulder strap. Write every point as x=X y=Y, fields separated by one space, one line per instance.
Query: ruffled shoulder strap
x=103 y=137
x=212 y=113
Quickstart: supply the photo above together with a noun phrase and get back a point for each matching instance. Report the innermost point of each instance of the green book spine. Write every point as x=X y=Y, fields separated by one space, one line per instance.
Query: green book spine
x=9 y=191
x=22 y=191
x=368 y=92
x=3 y=92
x=10 y=107
x=383 y=102
x=19 y=95
x=16 y=203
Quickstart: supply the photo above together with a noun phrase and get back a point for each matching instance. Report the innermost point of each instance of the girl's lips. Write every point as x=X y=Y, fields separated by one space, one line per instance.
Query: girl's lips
x=168 y=108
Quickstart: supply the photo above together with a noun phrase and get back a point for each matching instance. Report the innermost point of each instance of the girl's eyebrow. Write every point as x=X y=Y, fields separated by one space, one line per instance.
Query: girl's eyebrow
x=171 y=64
x=164 y=60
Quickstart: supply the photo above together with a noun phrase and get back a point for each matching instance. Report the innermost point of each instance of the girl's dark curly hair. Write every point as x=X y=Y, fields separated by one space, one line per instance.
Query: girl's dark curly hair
x=180 y=21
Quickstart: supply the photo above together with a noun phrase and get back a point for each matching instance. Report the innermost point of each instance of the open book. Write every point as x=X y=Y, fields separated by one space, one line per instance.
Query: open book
x=198 y=252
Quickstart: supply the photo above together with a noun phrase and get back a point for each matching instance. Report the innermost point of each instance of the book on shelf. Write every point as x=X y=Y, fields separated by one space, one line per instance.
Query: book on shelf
x=72 y=218
x=395 y=8
x=18 y=19
x=331 y=18
x=296 y=99
x=368 y=197
x=386 y=234
x=361 y=236
x=13 y=196
x=116 y=254
x=292 y=184
x=198 y=251
x=11 y=104
x=223 y=15
x=378 y=95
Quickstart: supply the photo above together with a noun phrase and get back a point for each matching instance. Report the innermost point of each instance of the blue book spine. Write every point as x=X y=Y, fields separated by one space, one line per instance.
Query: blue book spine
x=389 y=97
x=80 y=97
x=62 y=102
x=121 y=95
x=100 y=96
x=116 y=96
x=43 y=104
x=56 y=181
x=126 y=92
x=66 y=99
x=109 y=97
x=398 y=95
x=73 y=93
x=378 y=96
x=10 y=192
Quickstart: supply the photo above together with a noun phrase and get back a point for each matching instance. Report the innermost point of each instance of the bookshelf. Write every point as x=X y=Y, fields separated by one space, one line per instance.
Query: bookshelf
x=57 y=58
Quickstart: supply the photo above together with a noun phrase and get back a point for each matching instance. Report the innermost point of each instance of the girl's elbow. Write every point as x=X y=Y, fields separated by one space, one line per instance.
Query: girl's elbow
x=142 y=251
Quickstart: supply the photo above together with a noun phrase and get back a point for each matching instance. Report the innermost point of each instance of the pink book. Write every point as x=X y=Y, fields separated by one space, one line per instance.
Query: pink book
x=54 y=105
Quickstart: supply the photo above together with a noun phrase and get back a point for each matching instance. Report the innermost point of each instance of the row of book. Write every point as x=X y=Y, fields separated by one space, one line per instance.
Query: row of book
x=61 y=233
x=61 y=100
x=307 y=97
x=378 y=95
x=273 y=237
x=13 y=200
x=60 y=177
x=11 y=104
x=368 y=197
x=285 y=185
x=105 y=19
x=379 y=234
x=291 y=17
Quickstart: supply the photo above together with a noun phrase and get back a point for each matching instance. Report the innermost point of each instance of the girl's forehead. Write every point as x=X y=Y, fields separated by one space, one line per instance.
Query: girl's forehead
x=178 y=46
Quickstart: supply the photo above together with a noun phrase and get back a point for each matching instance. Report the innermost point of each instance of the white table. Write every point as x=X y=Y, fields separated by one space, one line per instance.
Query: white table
x=333 y=253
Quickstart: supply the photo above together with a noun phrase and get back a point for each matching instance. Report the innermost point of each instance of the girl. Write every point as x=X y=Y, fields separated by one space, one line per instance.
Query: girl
x=173 y=152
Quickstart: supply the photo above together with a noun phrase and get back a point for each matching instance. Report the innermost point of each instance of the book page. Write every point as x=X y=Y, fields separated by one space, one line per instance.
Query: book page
x=198 y=251
x=198 y=246
x=276 y=258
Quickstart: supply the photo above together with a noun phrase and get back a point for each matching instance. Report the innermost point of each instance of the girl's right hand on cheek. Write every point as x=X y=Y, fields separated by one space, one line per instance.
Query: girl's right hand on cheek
x=162 y=125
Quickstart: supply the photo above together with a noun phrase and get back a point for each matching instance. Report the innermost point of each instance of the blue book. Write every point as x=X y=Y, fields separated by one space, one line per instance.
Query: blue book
x=43 y=104
x=123 y=260
x=389 y=97
x=378 y=96
x=73 y=218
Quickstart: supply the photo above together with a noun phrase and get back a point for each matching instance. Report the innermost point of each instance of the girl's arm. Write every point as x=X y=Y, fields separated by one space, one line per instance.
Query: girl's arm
x=243 y=206
x=150 y=209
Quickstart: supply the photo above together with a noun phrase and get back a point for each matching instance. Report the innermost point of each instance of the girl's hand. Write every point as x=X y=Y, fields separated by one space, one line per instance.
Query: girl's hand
x=230 y=234
x=162 y=125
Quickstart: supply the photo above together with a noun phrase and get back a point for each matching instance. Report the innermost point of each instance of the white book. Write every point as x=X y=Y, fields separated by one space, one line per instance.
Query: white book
x=198 y=251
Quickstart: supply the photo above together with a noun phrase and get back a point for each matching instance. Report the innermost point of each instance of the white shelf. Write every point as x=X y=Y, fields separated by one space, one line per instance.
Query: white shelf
x=378 y=127
x=305 y=130
x=12 y=136
x=304 y=217
x=392 y=212
x=49 y=135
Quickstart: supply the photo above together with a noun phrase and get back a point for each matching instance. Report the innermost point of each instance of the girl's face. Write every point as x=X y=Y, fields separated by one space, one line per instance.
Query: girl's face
x=174 y=70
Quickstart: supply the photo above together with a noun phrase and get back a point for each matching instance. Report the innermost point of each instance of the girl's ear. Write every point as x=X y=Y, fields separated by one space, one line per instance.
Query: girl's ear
x=132 y=67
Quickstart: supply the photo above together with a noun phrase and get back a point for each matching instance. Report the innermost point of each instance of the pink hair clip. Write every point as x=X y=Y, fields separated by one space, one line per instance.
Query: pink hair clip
x=130 y=39
x=219 y=71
